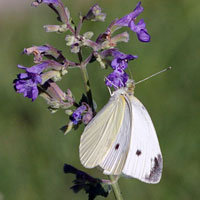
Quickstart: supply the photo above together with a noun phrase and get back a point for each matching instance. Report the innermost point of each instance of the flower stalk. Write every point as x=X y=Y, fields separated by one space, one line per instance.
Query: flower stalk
x=116 y=189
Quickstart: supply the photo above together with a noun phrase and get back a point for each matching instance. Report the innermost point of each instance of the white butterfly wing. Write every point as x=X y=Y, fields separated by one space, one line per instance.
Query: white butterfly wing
x=144 y=160
x=101 y=135
x=116 y=157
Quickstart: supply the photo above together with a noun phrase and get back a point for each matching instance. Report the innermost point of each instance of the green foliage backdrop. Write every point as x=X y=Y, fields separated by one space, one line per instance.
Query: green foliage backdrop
x=33 y=151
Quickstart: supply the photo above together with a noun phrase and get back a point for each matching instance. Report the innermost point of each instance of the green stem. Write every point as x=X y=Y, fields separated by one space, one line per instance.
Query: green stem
x=87 y=86
x=116 y=189
x=115 y=186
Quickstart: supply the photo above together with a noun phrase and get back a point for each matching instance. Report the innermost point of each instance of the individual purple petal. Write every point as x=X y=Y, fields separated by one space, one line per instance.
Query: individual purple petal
x=21 y=67
x=50 y=1
x=143 y=36
x=37 y=2
x=124 y=21
x=119 y=63
x=23 y=75
x=140 y=30
x=38 y=68
x=138 y=9
x=119 y=70
x=136 y=28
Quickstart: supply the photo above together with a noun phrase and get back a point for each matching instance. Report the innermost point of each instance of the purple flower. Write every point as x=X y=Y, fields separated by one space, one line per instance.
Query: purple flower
x=44 y=50
x=26 y=83
x=140 y=28
x=121 y=60
x=116 y=79
x=124 y=21
x=36 y=49
x=77 y=114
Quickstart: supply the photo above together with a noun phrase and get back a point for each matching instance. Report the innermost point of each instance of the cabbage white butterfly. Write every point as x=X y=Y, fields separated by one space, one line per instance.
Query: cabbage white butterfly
x=121 y=139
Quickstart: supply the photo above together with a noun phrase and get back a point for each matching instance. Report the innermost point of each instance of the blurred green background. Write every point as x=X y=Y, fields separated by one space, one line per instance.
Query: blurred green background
x=33 y=150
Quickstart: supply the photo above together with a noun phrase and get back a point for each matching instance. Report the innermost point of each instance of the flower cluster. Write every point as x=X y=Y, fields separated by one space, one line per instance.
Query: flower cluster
x=82 y=113
x=119 y=77
x=50 y=64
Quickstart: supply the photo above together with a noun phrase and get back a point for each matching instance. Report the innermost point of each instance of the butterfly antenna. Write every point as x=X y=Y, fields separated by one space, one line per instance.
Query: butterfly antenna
x=166 y=69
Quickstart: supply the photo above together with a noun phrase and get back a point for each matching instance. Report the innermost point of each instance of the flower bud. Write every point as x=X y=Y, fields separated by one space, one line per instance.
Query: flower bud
x=56 y=28
x=88 y=35
x=70 y=40
x=95 y=14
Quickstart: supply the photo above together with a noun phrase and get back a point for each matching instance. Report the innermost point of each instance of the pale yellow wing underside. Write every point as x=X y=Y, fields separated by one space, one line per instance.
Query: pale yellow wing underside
x=116 y=157
x=101 y=133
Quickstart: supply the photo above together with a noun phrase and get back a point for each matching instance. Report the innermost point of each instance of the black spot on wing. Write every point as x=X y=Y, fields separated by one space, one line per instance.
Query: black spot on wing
x=156 y=170
x=116 y=146
x=138 y=152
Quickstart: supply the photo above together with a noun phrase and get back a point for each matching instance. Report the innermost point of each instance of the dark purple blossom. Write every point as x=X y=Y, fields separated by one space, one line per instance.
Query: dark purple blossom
x=124 y=21
x=77 y=114
x=116 y=79
x=121 y=60
x=27 y=82
x=139 y=28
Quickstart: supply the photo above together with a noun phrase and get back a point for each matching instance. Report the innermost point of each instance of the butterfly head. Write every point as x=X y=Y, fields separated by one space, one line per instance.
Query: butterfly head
x=130 y=86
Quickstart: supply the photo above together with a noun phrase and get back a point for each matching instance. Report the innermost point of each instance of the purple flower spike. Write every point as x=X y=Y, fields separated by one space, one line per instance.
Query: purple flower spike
x=27 y=82
x=77 y=114
x=116 y=79
x=140 y=30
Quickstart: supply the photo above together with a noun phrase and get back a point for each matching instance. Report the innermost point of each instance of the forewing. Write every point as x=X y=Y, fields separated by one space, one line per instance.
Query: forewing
x=116 y=157
x=144 y=160
x=100 y=134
